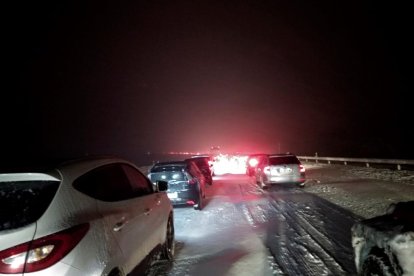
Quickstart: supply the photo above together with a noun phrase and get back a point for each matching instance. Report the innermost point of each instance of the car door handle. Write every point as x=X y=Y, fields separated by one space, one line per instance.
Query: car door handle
x=158 y=200
x=147 y=211
x=119 y=225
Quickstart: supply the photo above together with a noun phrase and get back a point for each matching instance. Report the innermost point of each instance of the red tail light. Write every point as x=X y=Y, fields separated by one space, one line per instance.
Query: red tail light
x=192 y=181
x=301 y=168
x=253 y=162
x=41 y=253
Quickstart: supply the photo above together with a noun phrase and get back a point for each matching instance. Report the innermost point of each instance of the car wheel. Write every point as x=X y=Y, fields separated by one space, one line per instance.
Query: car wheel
x=261 y=183
x=169 y=245
x=116 y=272
x=377 y=264
x=199 y=205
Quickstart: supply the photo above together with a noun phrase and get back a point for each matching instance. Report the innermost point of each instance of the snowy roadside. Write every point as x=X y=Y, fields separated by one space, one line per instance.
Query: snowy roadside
x=367 y=192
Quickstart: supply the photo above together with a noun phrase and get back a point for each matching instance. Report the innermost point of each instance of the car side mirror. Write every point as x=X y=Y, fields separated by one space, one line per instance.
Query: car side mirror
x=162 y=186
x=391 y=208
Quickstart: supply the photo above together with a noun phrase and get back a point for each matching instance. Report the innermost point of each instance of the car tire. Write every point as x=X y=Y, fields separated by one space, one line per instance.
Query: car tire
x=168 y=247
x=116 y=272
x=199 y=205
x=262 y=184
x=378 y=264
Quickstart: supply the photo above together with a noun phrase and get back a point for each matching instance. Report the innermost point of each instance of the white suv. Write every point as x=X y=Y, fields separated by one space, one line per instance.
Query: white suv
x=280 y=169
x=95 y=216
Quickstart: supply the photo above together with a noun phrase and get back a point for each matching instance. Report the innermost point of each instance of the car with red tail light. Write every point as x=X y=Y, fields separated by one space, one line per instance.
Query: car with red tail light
x=252 y=161
x=90 y=216
x=186 y=183
x=280 y=169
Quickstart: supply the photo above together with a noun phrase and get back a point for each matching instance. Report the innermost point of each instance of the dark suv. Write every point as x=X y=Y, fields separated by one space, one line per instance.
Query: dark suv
x=186 y=183
x=280 y=169
x=203 y=163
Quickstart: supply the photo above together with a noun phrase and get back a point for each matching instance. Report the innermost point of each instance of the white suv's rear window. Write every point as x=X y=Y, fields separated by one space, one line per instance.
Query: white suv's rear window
x=280 y=160
x=24 y=202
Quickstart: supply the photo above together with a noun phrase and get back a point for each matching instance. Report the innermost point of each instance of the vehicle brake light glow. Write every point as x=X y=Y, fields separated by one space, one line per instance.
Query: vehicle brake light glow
x=301 y=168
x=253 y=162
x=41 y=253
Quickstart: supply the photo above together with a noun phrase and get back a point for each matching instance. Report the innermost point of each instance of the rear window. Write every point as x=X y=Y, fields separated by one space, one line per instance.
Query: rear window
x=168 y=176
x=169 y=168
x=280 y=160
x=24 y=202
x=202 y=163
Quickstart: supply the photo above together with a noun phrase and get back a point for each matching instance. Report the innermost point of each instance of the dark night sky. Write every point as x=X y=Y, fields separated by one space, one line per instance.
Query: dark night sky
x=127 y=78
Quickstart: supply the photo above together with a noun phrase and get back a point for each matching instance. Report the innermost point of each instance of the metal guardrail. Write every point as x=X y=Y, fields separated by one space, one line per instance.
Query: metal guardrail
x=367 y=161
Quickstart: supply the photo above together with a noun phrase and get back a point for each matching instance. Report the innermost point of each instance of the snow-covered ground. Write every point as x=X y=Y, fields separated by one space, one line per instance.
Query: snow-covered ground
x=244 y=230
x=366 y=192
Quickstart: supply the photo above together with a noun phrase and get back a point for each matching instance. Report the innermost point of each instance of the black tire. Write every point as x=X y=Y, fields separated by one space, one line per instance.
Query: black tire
x=199 y=206
x=116 y=272
x=262 y=184
x=168 y=247
x=379 y=265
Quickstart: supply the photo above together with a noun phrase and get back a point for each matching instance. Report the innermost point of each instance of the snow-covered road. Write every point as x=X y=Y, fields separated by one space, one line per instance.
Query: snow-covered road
x=244 y=230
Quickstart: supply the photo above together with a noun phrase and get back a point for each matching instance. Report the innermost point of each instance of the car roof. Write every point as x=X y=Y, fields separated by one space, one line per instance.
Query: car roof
x=256 y=154
x=170 y=163
x=281 y=155
x=200 y=157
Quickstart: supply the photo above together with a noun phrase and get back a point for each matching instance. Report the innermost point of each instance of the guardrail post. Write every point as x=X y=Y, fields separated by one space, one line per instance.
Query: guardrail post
x=399 y=167
x=329 y=161
x=367 y=165
x=345 y=163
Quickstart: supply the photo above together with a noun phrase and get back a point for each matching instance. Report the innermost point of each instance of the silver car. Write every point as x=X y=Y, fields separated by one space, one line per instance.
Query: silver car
x=95 y=216
x=280 y=169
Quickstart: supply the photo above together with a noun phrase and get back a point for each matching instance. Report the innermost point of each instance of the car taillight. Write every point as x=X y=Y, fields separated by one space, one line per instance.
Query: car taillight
x=192 y=181
x=41 y=253
x=253 y=162
x=266 y=169
x=301 y=168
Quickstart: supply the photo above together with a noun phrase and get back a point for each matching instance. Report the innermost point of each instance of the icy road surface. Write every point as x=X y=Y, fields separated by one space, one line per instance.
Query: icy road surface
x=244 y=230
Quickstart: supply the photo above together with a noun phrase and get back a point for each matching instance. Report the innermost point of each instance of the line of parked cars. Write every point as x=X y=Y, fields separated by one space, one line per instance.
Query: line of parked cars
x=93 y=216
x=102 y=215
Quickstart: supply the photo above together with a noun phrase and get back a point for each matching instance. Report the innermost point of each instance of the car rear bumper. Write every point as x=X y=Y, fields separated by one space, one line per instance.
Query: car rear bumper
x=188 y=197
x=285 y=180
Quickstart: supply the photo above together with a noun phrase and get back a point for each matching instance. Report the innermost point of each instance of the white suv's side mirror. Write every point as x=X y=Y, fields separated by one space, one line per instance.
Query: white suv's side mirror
x=391 y=208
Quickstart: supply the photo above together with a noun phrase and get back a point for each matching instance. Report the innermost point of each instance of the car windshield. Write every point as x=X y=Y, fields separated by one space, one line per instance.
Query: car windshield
x=279 y=160
x=24 y=202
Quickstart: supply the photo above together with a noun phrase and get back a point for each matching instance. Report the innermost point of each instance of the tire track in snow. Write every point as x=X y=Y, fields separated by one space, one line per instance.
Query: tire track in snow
x=310 y=244
x=296 y=240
